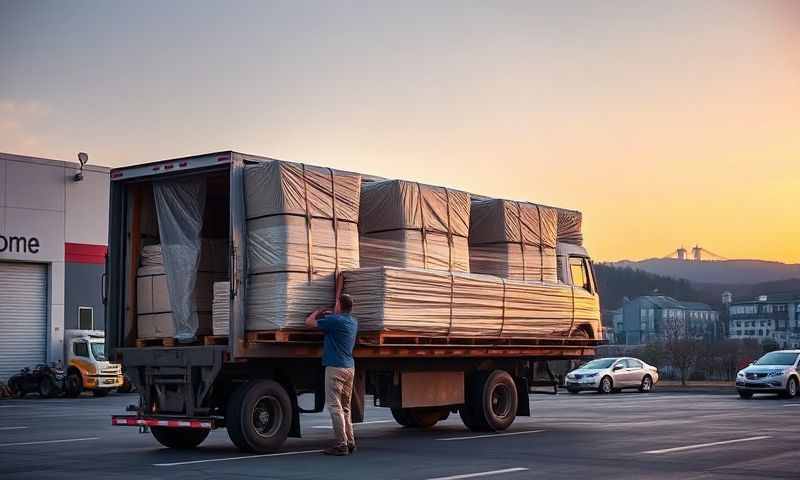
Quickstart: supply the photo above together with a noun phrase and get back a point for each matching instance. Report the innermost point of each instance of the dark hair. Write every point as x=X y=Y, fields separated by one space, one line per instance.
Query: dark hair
x=345 y=303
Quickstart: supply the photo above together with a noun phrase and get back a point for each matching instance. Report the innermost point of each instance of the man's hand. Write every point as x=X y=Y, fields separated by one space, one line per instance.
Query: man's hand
x=311 y=319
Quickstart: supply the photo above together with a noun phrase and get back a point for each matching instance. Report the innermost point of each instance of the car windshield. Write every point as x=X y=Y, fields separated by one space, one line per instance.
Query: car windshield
x=98 y=351
x=777 y=358
x=599 y=363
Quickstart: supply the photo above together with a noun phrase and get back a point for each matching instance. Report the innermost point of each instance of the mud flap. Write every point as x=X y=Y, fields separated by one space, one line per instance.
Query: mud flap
x=357 y=398
x=294 y=430
x=523 y=401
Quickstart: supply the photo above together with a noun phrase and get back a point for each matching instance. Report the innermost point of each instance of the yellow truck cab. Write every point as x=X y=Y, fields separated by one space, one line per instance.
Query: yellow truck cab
x=87 y=367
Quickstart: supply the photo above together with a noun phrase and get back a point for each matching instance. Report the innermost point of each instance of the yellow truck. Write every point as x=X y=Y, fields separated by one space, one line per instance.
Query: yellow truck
x=87 y=366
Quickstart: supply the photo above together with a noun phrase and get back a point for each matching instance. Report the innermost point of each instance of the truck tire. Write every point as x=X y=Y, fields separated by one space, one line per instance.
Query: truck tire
x=47 y=388
x=258 y=416
x=179 y=438
x=425 y=417
x=491 y=402
x=73 y=386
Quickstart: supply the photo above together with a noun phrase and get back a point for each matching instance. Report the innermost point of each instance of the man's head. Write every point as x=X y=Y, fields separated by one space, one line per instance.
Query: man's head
x=345 y=303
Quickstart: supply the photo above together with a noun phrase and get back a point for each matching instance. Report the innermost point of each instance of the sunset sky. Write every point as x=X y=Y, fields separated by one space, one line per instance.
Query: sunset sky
x=666 y=123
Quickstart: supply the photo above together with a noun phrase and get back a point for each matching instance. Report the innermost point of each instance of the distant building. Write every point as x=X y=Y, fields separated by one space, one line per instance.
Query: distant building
x=653 y=318
x=775 y=316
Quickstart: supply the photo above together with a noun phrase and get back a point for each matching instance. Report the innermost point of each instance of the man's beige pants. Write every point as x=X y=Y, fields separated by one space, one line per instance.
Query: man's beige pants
x=338 y=390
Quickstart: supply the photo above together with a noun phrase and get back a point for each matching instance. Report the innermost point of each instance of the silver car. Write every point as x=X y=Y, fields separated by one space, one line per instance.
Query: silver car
x=775 y=372
x=607 y=375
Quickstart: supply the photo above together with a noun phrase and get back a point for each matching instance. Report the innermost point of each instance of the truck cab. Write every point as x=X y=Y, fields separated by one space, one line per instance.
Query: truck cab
x=87 y=366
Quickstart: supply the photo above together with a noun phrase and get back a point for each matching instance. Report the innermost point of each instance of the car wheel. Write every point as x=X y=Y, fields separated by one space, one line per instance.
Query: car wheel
x=47 y=389
x=791 y=388
x=745 y=394
x=647 y=384
x=258 y=416
x=606 y=385
x=179 y=438
x=74 y=385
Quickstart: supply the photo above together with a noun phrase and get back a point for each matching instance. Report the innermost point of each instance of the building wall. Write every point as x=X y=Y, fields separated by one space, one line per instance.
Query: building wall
x=40 y=202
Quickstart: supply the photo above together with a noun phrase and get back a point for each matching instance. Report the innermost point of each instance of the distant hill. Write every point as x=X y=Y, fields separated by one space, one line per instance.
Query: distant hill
x=725 y=272
x=615 y=283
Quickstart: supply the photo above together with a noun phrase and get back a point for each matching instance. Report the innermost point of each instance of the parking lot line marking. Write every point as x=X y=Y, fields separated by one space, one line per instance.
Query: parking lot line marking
x=330 y=427
x=481 y=474
x=228 y=459
x=42 y=442
x=703 y=445
x=489 y=435
x=12 y=428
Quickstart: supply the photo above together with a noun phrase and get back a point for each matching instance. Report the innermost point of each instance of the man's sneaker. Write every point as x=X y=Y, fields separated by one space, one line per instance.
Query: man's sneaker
x=338 y=451
x=351 y=447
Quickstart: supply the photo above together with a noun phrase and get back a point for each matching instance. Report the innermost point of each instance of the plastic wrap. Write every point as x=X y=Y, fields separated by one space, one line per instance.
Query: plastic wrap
x=514 y=240
x=179 y=205
x=220 y=308
x=283 y=300
x=569 y=226
x=408 y=224
x=301 y=229
x=153 y=304
x=429 y=302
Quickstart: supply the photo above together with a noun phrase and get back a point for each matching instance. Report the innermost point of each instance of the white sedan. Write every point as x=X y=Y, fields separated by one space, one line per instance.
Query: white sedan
x=607 y=375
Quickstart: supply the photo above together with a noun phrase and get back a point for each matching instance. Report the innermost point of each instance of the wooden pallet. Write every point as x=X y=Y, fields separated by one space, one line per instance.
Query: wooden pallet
x=155 y=342
x=282 y=336
x=410 y=338
x=214 y=339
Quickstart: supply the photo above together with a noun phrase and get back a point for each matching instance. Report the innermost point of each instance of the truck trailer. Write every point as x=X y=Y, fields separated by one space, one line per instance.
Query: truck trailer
x=249 y=382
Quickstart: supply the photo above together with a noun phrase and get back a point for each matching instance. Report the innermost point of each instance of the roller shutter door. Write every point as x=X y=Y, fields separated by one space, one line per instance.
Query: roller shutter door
x=23 y=316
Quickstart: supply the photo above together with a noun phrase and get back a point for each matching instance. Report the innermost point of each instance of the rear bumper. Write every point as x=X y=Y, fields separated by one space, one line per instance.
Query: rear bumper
x=167 y=422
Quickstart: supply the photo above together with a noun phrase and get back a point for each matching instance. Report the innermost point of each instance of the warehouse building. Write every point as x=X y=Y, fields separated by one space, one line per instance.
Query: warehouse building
x=53 y=237
x=652 y=318
x=773 y=316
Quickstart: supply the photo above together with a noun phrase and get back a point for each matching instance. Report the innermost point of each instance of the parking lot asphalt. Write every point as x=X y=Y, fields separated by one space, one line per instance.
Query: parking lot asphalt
x=619 y=436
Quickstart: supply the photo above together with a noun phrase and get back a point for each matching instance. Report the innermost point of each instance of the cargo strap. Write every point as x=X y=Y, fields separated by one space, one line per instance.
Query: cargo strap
x=449 y=232
x=503 y=311
x=423 y=230
x=308 y=224
x=335 y=225
x=521 y=239
x=541 y=247
x=452 y=297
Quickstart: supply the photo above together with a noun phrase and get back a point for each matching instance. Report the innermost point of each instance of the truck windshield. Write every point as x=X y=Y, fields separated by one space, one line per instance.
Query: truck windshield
x=99 y=351
x=599 y=363
x=777 y=358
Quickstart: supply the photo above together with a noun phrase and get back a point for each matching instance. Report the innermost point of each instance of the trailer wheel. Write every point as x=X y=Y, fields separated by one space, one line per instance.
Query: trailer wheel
x=258 y=416
x=425 y=417
x=47 y=388
x=179 y=438
x=491 y=402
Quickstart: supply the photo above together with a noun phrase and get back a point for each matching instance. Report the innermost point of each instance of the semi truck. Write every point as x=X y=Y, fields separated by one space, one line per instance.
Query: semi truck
x=250 y=384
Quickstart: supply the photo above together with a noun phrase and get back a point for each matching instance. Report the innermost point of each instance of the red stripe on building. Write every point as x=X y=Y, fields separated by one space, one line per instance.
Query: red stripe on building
x=85 y=253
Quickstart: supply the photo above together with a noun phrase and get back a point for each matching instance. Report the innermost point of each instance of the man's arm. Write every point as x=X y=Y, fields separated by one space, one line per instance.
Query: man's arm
x=311 y=319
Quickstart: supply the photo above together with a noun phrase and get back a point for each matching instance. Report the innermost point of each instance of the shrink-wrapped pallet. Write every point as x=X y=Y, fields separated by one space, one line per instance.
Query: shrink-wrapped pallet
x=569 y=226
x=513 y=240
x=301 y=230
x=220 y=308
x=154 y=310
x=436 y=303
x=408 y=224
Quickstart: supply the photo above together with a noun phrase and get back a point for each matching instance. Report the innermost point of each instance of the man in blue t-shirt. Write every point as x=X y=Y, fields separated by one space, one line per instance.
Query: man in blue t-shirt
x=337 y=357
